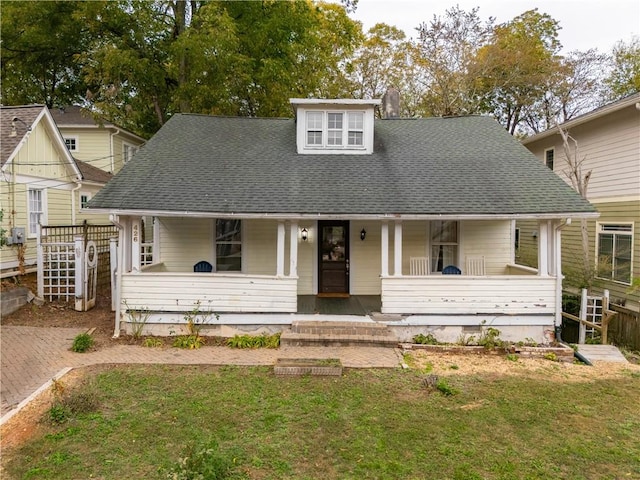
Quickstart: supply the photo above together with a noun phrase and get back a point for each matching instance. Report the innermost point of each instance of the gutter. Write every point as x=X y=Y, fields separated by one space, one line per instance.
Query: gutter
x=119 y=268
x=113 y=162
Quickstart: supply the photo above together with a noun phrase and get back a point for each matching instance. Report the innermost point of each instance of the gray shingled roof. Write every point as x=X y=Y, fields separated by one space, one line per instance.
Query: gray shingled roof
x=462 y=165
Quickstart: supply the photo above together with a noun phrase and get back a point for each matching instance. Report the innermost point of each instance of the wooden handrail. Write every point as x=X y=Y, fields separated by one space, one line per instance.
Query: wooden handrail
x=607 y=316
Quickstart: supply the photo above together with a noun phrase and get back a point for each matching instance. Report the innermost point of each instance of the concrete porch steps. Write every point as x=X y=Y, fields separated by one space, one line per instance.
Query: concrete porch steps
x=338 y=334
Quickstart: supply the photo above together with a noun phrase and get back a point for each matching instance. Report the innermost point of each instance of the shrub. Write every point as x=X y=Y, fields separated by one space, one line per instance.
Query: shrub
x=67 y=403
x=254 y=341
x=190 y=342
x=82 y=343
x=203 y=462
x=423 y=339
x=447 y=390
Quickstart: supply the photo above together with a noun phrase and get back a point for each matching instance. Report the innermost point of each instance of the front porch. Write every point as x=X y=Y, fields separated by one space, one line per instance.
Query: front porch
x=281 y=277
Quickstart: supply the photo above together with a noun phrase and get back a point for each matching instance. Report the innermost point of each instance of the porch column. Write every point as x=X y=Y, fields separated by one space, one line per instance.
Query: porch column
x=397 y=249
x=552 y=250
x=293 y=249
x=543 y=249
x=156 y=240
x=384 y=249
x=280 y=250
x=136 y=239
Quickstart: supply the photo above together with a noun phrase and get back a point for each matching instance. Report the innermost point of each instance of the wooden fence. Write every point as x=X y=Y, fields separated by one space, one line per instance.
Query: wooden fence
x=624 y=329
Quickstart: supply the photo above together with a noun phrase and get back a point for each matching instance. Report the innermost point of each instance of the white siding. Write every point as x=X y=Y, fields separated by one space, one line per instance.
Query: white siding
x=459 y=294
x=181 y=292
x=185 y=241
x=492 y=240
x=259 y=240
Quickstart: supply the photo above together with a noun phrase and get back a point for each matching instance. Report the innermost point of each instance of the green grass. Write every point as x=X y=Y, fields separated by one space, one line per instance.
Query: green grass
x=367 y=424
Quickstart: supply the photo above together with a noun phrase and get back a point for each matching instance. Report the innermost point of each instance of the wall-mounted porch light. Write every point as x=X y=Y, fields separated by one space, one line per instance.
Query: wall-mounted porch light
x=304 y=234
x=363 y=234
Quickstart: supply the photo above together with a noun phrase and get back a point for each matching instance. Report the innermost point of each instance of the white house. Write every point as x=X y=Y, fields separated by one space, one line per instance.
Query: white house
x=287 y=212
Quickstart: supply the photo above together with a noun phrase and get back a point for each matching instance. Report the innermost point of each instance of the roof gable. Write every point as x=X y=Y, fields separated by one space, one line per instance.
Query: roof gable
x=18 y=124
x=419 y=167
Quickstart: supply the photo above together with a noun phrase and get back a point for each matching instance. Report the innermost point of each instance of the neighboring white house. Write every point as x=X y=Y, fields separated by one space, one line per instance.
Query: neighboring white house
x=337 y=203
x=608 y=141
x=41 y=182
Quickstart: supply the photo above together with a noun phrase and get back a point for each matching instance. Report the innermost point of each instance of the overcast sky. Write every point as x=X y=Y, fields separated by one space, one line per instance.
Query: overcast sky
x=585 y=23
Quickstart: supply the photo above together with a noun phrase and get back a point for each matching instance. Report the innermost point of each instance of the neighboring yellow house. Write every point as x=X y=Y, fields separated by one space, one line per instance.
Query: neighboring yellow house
x=101 y=144
x=41 y=183
x=608 y=140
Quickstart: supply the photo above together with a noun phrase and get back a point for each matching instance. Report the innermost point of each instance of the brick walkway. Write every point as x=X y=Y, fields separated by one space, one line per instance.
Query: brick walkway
x=31 y=356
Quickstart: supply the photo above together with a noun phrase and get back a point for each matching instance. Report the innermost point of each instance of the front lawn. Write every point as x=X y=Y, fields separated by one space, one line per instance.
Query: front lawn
x=513 y=420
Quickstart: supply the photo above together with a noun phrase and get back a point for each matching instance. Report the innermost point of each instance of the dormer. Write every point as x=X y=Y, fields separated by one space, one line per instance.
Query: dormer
x=334 y=126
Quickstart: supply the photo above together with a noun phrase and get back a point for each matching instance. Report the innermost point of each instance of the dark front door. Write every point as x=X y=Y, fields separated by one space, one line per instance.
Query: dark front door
x=333 y=271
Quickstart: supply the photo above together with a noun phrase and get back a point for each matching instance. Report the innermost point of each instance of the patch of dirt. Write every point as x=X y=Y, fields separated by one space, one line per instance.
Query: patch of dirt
x=62 y=314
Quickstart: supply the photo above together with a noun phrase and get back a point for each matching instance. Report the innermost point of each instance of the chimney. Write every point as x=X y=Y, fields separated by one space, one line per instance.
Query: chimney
x=391 y=103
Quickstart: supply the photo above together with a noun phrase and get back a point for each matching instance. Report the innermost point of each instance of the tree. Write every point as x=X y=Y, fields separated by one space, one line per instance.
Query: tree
x=385 y=58
x=41 y=45
x=573 y=89
x=514 y=67
x=152 y=59
x=624 y=78
x=448 y=47
x=580 y=183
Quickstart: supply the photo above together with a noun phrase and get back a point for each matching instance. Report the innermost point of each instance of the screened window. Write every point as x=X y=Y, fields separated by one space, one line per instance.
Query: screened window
x=36 y=210
x=614 y=252
x=548 y=158
x=444 y=244
x=335 y=129
x=228 y=245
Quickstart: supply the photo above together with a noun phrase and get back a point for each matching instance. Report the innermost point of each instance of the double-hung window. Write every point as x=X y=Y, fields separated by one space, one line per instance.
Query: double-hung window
x=444 y=244
x=36 y=209
x=340 y=130
x=228 y=245
x=84 y=199
x=615 y=241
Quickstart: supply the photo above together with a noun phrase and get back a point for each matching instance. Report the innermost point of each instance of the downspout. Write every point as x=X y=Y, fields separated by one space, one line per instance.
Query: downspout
x=73 y=203
x=120 y=266
x=113 y=162
x=559 y=277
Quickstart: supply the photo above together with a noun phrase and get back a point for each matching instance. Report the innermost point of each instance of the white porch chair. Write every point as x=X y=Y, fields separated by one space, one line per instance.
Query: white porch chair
x=475 y=266
x=419 y=266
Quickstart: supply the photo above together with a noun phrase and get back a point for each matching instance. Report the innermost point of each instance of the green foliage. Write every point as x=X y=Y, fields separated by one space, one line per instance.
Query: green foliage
x=254 y=341
x=442 y=385
x=423 y=339
x=203 y=462
x=82 y=343
x=624 y=78
x=571 y=304
x=512 y=357
x=138 y=319
x=551 y=356
x=38 y=66
x=490 y=338
x=68 y=403
x=3 y=232
x=190 y=342
x=153 y=342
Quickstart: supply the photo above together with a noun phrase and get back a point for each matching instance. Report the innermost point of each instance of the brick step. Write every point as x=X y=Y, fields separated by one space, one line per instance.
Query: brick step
x=338 y=334
x=339 y=328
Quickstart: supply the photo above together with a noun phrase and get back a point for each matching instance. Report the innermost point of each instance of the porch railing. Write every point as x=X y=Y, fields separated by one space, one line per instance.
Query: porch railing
x=462 y=294
x=217 y=292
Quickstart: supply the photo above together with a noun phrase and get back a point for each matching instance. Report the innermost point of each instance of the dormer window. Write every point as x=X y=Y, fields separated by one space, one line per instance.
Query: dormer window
x=334 y=126
x=335 y=129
